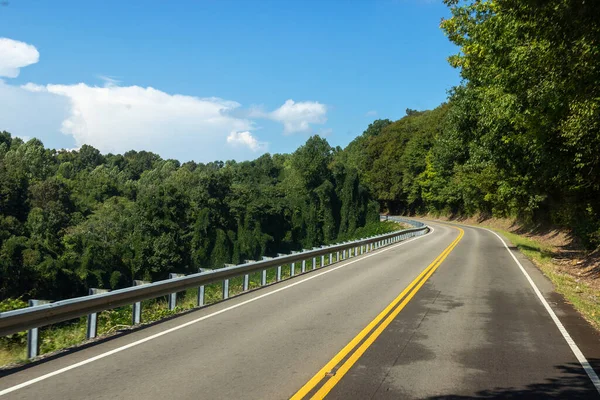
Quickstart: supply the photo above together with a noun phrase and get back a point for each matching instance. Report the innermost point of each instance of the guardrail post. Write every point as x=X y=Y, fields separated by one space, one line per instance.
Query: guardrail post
x=293 y=266
x=92 y=319
x=314 y=266
x=200 y=301
x=33 y=335
x=278 y=278
x=173 y=296
x=330 y=258
x=264 y=272
x=136 y=314
x=304 y=263
x=226 y=283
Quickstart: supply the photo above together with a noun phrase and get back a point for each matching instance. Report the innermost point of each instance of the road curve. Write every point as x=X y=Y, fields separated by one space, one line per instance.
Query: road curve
x=475 y=329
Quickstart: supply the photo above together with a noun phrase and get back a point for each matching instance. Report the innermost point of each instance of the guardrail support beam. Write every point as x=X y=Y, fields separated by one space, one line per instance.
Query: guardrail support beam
x=293 y=266
x=33 y=335
x=246 y=282
x=136 y=314
x=173 y=296
x=200 y=300
x=279 y=267
x=92 y=319
x=226 y=284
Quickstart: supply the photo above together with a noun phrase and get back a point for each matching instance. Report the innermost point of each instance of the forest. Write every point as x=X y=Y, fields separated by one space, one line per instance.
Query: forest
x=518 y=138
x=72 y=220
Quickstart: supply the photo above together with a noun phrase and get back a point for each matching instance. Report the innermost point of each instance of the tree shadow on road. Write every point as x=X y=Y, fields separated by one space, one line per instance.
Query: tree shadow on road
x=573 y=383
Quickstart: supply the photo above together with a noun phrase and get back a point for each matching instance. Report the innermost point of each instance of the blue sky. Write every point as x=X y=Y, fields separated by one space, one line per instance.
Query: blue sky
x=215 y=79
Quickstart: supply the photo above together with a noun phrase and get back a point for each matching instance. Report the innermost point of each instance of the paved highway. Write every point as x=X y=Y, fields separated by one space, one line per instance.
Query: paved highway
x=447 y=315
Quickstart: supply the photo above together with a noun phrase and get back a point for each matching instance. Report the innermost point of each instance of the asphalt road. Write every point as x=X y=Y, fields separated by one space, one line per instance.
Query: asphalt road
x=474 y=329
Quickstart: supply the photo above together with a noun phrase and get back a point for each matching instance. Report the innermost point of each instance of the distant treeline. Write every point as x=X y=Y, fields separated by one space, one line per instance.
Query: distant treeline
x=520 y=137
x=70 y=220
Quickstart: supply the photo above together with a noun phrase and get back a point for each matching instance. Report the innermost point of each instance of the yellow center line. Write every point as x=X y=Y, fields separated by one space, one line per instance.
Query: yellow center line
x=416 y=284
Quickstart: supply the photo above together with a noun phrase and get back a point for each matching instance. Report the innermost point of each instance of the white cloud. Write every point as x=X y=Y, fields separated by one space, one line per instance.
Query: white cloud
x=118 y=119
x=371 y=113
x=109 y=81
x=34 y=114
x=15 y=55
x=245 y=139
x=297 y=117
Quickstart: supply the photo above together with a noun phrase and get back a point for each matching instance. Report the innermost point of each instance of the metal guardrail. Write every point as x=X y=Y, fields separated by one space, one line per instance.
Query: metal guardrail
x=37 y=316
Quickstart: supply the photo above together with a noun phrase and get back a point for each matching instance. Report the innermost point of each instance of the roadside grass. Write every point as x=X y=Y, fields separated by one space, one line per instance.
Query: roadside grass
x=584 y=298
x=13 y=349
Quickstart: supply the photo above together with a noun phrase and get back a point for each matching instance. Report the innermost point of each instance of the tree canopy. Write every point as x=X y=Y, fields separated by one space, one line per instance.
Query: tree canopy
x=519 y=137
x=71 y=220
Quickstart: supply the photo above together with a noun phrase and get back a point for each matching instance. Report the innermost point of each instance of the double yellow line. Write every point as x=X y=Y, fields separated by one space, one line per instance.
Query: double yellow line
x=368 y=335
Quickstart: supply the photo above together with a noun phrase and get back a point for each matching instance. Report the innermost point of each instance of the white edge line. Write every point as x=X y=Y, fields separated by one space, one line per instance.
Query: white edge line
x=574 y=348
x=176 y=328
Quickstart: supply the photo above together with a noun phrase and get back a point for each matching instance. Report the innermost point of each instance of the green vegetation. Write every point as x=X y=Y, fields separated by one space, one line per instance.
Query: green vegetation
x=72 y=220
x=518 y=138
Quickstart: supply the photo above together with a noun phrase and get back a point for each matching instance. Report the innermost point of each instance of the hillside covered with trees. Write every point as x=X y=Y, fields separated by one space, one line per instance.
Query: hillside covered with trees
x=519 y=138
x=71 y=220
